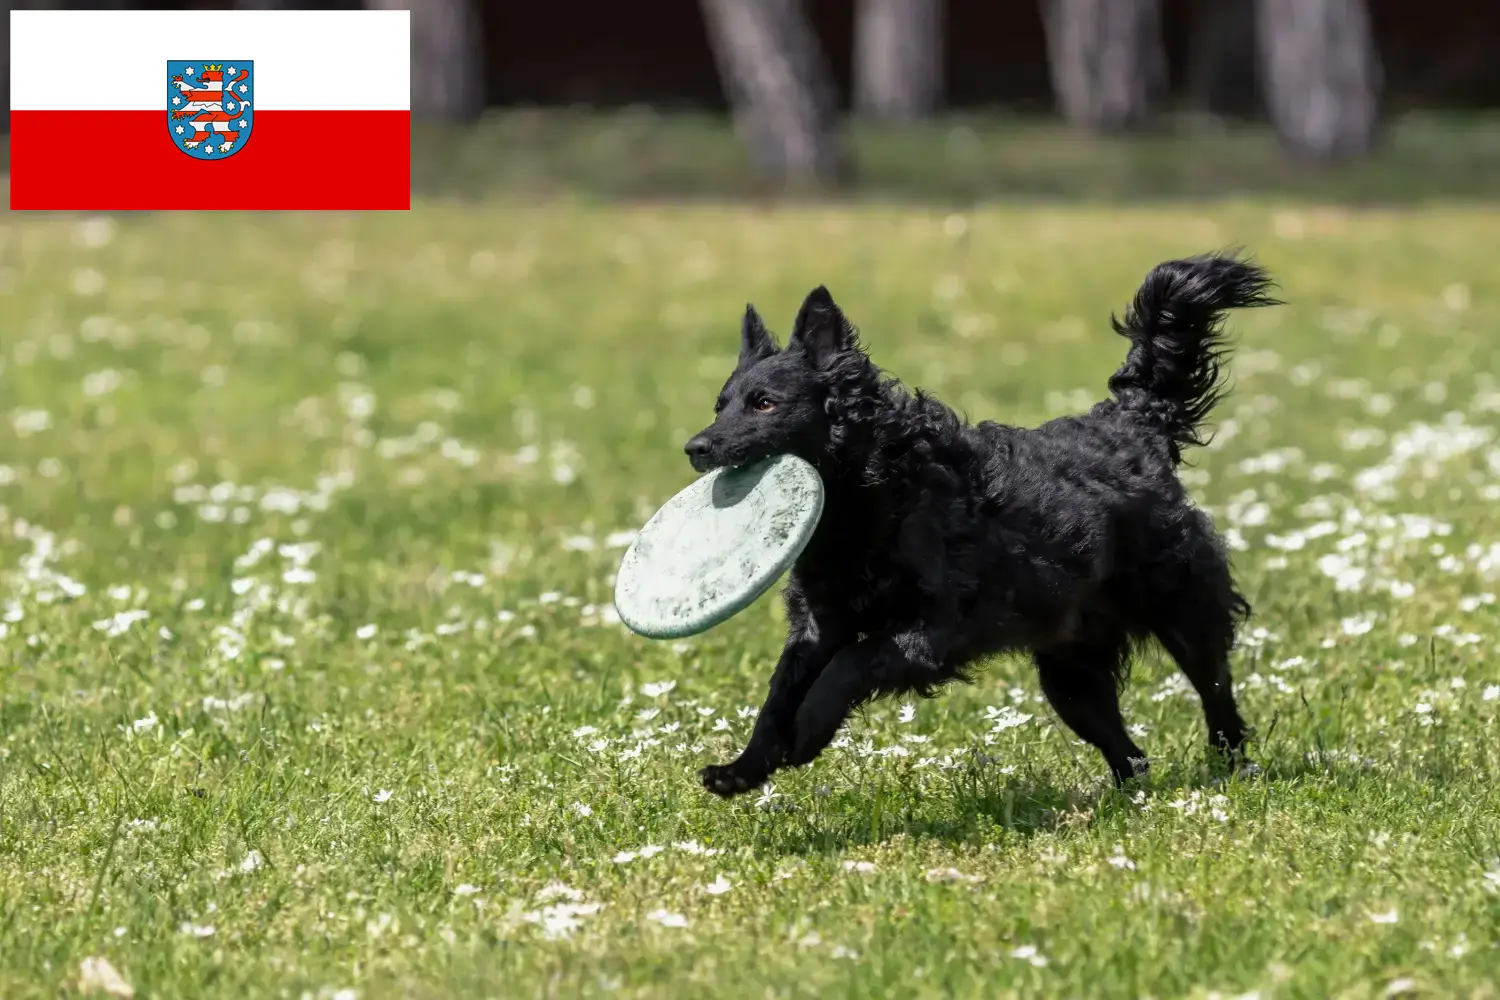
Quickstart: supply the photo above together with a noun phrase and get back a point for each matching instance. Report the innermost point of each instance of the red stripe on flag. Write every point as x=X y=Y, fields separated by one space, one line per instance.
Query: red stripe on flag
x=292 y=160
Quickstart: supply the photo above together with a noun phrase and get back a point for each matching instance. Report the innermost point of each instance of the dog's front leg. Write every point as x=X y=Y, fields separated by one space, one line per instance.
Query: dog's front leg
x=770 y=741
x=896 y=661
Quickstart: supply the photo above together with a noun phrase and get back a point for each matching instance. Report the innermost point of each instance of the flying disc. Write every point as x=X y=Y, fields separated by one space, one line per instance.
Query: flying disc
x=715 y=547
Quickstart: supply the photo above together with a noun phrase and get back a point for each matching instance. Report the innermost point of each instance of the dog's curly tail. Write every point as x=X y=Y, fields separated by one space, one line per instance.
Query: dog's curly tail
x=1173 y=374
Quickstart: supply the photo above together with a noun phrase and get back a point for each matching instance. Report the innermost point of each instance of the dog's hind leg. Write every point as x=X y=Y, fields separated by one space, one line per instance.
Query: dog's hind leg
x=1080 y=683
x=1200 y=648
x=1195 y=622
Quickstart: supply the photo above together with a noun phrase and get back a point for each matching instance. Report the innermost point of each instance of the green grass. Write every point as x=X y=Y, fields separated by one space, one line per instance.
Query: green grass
x=305 y=541
x=956 y=160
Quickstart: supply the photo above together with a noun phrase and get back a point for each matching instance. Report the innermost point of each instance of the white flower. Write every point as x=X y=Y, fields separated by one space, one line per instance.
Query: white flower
x=1029 y=953
x=1119 y=860
x=120 y=623
x=583 y=731
x=465 y=890
x=656 y=689
x=211 y=703
x=863 y=867
x=624 y=857
x=908 y=712
x=145 y=725
x=28 y=422
x=1492 y=692
x=582 y=810
x=196 y=930
x=366 y=632
x=718 y=886
x=691 y=847
x=561 y=919
x=1388 y=917
x=252 y=861
x=384 y=795
x=1005 y=717
x=667 y=919
x=1398 y=986
x=557 y=890
x=96 y=975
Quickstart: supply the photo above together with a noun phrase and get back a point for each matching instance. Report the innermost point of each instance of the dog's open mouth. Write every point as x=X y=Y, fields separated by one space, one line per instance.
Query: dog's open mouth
x=720 y=459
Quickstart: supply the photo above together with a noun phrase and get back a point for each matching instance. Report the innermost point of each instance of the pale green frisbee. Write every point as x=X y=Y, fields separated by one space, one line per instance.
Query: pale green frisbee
x=712 y=549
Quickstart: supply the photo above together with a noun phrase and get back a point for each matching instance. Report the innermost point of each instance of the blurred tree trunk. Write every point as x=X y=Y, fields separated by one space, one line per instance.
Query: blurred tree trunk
x=1322 y=76
x=898 y=58
x=1109 y=67
x=5 y=67
x=1222 y=75
x=447 y=58
x=779 y=87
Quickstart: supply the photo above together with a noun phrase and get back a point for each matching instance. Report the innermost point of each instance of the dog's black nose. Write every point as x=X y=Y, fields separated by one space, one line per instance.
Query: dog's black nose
x=698 y=448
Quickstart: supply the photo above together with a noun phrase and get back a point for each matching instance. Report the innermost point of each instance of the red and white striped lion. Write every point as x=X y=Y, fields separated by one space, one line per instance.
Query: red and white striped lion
x=204 y=107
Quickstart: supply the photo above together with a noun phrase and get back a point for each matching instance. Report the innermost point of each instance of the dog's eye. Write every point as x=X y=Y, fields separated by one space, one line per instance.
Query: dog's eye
x=764 y=404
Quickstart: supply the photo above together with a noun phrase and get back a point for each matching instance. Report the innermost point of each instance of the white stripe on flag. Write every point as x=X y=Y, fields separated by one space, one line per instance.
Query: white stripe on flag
x=305 y=60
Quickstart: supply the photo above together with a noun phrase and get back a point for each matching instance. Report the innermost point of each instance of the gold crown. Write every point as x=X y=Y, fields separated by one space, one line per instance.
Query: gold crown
x=214 y=68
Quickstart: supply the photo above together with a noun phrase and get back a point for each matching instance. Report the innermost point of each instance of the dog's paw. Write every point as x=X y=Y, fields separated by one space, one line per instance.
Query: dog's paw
x=729 y=780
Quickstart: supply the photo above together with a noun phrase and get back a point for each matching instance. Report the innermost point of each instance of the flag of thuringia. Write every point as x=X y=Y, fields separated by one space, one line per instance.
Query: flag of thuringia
x=239 y=110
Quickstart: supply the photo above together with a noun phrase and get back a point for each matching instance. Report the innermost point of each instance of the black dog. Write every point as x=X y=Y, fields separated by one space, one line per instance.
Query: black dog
x=941 y=543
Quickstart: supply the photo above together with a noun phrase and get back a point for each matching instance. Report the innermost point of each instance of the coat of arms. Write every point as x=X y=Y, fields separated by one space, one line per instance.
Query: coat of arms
x=209 y=112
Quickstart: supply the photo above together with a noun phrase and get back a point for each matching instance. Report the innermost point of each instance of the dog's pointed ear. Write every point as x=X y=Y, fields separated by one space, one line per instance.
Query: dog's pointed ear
x=756 y=342
x=821 y=330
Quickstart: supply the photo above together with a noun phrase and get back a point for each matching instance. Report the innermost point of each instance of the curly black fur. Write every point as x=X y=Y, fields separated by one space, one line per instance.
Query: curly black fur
x=942 y=543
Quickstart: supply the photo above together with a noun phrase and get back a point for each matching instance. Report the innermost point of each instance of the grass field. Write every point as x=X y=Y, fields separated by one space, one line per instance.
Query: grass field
x=310 y=685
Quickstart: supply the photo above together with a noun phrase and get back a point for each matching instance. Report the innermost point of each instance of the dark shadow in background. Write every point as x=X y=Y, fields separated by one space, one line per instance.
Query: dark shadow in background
x=1439 y=53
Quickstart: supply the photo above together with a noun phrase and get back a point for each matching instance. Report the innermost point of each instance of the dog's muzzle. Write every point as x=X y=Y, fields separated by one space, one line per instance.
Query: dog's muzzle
x=700 y=452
